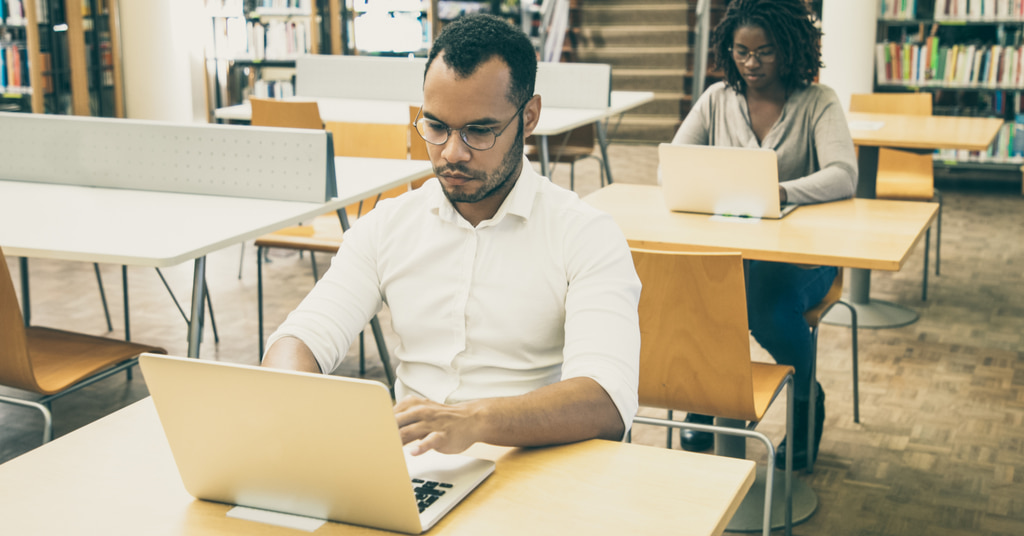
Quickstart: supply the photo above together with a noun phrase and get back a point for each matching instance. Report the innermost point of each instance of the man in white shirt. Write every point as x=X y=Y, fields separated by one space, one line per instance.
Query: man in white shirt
x=514 y=301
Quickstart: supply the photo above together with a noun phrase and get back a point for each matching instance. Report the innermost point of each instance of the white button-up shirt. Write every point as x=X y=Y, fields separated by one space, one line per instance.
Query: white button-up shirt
x=543 y=291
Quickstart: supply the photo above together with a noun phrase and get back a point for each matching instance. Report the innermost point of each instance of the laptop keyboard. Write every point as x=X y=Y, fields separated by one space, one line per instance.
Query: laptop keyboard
x=428 y=491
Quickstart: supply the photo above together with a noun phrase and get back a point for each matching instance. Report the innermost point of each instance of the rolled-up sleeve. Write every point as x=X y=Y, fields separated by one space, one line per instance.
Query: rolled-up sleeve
x=602 y=331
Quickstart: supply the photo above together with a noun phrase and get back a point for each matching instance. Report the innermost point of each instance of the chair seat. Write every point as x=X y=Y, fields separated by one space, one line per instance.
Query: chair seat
x=305 y=243
x=323 y=235
x=61 y=359
x=767 y=379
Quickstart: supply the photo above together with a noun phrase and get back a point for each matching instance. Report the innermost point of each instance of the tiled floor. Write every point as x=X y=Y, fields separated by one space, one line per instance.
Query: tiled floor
x=940 y=446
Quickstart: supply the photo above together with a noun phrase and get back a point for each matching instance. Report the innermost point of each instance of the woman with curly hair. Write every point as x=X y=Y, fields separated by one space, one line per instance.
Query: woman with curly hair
x=770 y=52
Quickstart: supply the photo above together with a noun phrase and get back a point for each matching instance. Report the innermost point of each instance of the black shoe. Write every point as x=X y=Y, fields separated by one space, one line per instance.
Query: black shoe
x=800 y=409
x=695 y=441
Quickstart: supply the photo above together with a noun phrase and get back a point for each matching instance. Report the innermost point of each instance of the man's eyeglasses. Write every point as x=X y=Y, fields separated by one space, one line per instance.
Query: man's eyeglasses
x=762 y=57
x=478 y=137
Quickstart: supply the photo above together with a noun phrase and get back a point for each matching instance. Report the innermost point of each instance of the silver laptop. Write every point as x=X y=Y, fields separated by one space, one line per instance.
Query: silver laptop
x=313 y=445
x=725 y=181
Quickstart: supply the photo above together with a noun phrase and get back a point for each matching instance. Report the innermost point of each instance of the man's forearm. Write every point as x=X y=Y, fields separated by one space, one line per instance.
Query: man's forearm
x=564 y=412
x=291 y=354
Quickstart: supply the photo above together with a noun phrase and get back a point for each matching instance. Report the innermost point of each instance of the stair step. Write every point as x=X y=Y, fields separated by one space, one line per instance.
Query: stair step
x=650 y=80
x=645 y=129
x=617 y=15
x=630 y=35
x=647 y=57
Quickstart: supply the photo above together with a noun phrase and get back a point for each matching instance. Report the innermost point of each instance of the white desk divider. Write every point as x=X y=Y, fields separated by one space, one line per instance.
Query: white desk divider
x=360 y=77
x=574 y=85
x=224 y=160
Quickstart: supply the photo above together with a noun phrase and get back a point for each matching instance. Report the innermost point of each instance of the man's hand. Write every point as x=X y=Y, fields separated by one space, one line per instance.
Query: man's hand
x=446 y=429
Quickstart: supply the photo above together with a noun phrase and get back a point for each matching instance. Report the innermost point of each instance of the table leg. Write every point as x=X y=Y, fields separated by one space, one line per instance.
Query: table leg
x=545 y=156
x=195 y=324
x=870 y=313
x=602 y=142
x=26 y=304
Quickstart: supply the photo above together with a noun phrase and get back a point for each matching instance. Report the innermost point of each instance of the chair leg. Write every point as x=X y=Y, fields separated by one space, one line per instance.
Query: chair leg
x=362 y=353
x=213 y=320
x=259 y=299
x=856 y=380
x=241 y=260
x=47 y=416
x=938 y=234
x=103 y=296
x=312 y=260
x=572 y=176
x=924 y=278
x=668 y=440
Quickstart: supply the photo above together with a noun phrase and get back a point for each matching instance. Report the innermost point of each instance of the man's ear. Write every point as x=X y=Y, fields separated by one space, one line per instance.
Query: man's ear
x=531 y=115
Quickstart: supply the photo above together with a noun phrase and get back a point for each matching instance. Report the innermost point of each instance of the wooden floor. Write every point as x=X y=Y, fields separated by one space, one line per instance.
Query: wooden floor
x=940 y=446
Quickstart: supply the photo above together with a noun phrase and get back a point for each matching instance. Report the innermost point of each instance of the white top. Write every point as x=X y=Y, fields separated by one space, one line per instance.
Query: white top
x=542 y=292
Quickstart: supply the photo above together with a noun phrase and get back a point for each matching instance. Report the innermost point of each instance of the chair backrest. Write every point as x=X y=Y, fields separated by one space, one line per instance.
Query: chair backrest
x=15 y=366
x=892 y=103
x=694 y=342
x=291 y=114
x=370 y=140
x=834 y=294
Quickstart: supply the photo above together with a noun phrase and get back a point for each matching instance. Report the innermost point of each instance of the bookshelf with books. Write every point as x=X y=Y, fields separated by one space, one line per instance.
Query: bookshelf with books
x=253 y=45
x=21 y=61
x=969 y=54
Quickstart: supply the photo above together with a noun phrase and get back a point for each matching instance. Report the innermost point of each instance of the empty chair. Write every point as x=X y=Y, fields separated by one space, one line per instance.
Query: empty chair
x=570 y=147
x=904 y=174
x=695 y=351
x=52 y=362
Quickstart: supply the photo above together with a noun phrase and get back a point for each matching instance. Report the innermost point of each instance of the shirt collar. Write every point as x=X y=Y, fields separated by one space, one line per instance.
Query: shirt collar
x=518 y=203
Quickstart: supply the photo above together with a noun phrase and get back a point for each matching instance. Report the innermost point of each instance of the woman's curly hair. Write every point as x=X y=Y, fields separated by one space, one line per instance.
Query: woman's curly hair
x=790 y=28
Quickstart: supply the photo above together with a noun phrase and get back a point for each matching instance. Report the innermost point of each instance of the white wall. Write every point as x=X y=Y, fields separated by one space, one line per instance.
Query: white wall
x=848 y=46
x=161 y=47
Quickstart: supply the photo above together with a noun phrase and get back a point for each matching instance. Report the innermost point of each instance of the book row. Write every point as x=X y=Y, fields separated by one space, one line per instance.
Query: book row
x=237 y=38
x=967 y=10
x=14 y=69
x=958 y=65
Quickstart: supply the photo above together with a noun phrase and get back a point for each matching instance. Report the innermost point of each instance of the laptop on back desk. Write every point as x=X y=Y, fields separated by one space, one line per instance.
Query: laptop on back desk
x=724 y=181
x=313 y=445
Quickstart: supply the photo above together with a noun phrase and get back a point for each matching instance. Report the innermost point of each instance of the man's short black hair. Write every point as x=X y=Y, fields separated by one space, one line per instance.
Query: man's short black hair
x=472 y=40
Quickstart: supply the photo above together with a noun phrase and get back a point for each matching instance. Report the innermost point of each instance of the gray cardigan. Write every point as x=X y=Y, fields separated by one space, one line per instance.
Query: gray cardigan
x=811 y=139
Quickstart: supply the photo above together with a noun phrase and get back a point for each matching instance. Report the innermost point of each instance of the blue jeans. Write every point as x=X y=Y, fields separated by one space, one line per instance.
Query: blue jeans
x=778 y=294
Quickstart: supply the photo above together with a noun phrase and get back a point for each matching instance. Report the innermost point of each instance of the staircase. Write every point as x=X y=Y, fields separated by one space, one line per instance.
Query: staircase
x=649 y=44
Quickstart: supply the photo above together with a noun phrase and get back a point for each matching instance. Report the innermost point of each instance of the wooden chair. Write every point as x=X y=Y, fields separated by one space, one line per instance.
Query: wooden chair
x=290 y=114
x=570 y=148
x=813 y=318
x=695 y=351
x=903 y=174
x=51 y=362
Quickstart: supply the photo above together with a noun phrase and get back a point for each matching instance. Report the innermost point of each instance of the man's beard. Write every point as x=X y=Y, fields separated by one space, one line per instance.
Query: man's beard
x=490 y=183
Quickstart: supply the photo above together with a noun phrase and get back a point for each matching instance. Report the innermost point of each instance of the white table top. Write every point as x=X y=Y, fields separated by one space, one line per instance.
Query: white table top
x=164 y=229
x=552 y=120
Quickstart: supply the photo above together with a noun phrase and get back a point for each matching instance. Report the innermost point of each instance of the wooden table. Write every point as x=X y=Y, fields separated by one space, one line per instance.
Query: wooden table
x=910 y=132
x=116 y=476
x=873 y=234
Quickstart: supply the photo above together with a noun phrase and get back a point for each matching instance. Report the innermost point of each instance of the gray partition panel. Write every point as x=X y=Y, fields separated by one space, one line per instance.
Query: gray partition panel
x=360 y=77
x=236 y=161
